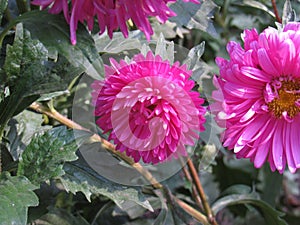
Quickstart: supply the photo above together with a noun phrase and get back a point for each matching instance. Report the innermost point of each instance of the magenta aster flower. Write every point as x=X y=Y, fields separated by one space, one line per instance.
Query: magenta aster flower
x=148 y=107
x=258 y=97
x=111 y=14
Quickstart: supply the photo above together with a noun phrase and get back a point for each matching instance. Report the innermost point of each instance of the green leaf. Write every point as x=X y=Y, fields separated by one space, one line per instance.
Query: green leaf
x=28 y=74
x=6 y=158
x=194 y=63
x=288 y=14
x=80 y=178
x=83 y=55
x=269 y=179
x=194 y=55
x=165 y=49
x=118 y=43
x=3 y=6
x=170 y=30
x=240 y=194
x=258 y=5
x=16 y=195
x=45 y=155
x=198 y=16
x=22 y=54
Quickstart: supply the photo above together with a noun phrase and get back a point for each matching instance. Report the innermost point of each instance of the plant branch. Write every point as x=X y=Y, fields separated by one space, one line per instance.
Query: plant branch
x=95 y=137
x=106 y=144
x=189 y=178
x=201 y=192
x=276 y=11
x=111 y=148
x=193 y=212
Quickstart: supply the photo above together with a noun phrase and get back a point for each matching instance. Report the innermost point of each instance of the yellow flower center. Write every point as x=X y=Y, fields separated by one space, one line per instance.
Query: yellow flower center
x=288 y=95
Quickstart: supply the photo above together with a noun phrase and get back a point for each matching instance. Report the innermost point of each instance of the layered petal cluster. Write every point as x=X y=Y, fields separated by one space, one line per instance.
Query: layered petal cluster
x=258 y=97
x=148 y=107
x=111 y=14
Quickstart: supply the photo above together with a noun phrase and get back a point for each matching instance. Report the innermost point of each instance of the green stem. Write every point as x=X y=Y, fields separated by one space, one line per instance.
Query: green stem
x=225 y=8
x=201 y=192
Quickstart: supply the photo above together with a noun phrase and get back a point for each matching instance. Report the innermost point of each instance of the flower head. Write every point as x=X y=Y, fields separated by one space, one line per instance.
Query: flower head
x=111 y=14
x=148 y=107
x=258 y=97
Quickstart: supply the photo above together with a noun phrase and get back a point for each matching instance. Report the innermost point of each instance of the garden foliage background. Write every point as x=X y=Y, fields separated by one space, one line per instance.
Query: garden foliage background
x=45 y=84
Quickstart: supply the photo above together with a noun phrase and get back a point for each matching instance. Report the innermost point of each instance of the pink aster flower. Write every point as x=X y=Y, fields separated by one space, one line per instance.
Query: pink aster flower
x=111 y=14
x=148 y=107
x=258 y=97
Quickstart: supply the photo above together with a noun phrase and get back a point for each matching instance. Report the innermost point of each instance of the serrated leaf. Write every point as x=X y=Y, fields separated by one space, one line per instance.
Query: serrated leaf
x=118 y=43
x=193 y=62
x=165 y=49
x=170 y=30
x=79 y=178
x=29 y=74
x=145 y=49
x=161 y=47
x=240 y=194
x=22 y=54
x=45 y=155
x=16 y=195
x=194 y=55
x=288 y=14
x=198 y=16
x=83 y=55
x=23 y=127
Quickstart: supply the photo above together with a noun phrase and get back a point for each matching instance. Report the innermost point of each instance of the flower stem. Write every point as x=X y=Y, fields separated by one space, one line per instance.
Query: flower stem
x=106 y=144
x=201 y=192
x=111 y=148
x=189 y=178
x=193 y=212
x=276 y=11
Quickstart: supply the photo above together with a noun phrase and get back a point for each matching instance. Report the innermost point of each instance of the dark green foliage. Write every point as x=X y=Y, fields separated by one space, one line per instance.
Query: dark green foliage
x=16 y=195
x=45 y=155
